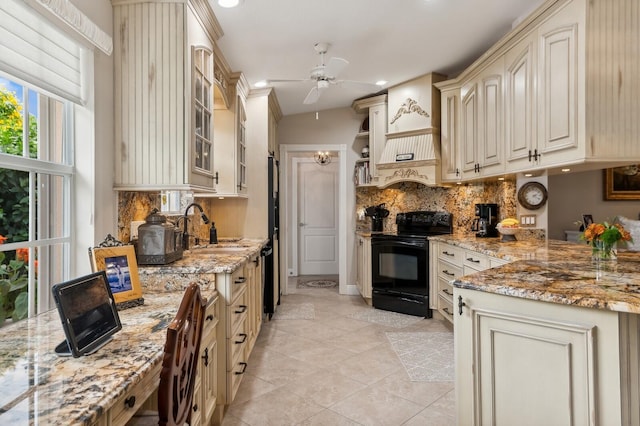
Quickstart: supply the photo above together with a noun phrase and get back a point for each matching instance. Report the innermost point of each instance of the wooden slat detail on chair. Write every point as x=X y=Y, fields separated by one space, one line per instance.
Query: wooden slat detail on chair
x=180 y=361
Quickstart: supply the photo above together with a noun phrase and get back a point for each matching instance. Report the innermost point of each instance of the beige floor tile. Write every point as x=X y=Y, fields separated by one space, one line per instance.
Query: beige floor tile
x=277 y=368
x=229 y=420
x=321 y=355
x=329 y=418
x=423 y=393
x=373 y=406
x=324 y=387
x=277 y=408
x=440 y=413
x=368 y=368
x=252 y=387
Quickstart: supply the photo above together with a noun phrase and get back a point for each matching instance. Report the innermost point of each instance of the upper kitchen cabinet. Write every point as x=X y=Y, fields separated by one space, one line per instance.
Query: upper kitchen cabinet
x=230 y=136
x=569 y=88
x=451 y=167
x=482 y=126
x=376 y=108
x=168 y=81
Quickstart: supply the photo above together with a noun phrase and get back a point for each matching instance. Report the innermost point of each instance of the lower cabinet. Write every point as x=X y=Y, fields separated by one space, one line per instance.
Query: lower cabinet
x=363 y=266
x=240 y=321
x=452 y=262
x=527 y=362
x=206 y=388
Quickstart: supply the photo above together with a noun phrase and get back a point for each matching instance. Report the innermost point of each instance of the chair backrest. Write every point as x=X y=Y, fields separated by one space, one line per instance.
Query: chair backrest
x=181 y=358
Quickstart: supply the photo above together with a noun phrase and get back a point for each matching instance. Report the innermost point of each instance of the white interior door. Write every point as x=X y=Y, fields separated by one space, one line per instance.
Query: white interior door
x=317 y=218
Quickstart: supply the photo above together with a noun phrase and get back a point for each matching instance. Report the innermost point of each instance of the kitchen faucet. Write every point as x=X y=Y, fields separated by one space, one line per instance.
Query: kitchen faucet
x=185 y=234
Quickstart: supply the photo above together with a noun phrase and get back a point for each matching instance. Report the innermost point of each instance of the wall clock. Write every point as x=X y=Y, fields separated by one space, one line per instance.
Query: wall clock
x=532 y=195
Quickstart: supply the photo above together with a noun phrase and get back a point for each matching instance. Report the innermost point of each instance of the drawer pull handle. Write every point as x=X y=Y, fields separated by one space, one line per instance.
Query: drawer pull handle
x=447 y=311
x=130 y=402
x=460 y=304
x=242 y=310
x=244 y=368
x=240 y=280
x=244 y=339
x=446 y=253
x=209 y=317
x=447 y=292
x=449 y=273
x=471 y=259
x=206 y=357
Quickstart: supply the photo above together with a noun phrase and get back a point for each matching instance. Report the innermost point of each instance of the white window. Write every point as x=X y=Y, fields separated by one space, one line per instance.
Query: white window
x=36 y=169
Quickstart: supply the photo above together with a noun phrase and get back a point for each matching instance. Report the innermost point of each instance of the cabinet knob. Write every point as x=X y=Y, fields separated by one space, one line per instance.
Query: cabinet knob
x=209 y=317
x=195 y=408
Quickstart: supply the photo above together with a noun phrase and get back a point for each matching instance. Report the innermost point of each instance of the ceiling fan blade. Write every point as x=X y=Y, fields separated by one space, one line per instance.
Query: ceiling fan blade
x=313 y=96
x=335 y=67
x=287 y=80
x=359 y=85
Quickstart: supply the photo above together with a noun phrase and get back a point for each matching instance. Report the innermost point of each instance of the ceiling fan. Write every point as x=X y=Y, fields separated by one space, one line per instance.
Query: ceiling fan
x=325 y=75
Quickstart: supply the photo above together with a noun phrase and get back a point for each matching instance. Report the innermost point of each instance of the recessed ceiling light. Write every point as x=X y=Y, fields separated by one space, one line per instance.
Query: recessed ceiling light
x=228 y=3
x=566 y=170
x=528 y=174
x=261 y=83
x=381 y=82
x=500 y=178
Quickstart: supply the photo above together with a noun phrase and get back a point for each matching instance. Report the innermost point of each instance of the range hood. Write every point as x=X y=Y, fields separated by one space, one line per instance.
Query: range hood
x=412 y=148
x=410 y=157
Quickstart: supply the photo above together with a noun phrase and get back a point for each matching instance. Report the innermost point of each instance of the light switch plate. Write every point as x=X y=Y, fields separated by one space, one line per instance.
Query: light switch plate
x=528 y=221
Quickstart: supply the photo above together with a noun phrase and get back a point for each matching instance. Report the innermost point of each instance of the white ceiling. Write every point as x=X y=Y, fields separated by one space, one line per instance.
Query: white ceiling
x=393 y=40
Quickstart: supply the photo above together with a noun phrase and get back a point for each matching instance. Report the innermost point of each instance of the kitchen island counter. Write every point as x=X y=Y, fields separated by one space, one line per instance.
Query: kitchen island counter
x=554 y=271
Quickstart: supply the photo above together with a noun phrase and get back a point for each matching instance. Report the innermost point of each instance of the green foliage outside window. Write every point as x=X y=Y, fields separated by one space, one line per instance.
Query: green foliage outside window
x=14 y=208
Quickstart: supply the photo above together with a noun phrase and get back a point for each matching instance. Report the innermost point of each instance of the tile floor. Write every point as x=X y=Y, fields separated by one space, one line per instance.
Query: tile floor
x=335 y=369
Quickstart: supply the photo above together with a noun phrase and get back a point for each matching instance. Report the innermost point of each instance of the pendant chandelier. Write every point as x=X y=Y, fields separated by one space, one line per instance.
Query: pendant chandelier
x=322 y=158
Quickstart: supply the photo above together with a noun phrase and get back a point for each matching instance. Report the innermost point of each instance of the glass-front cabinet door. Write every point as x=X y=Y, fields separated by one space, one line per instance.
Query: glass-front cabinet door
x=203 y=110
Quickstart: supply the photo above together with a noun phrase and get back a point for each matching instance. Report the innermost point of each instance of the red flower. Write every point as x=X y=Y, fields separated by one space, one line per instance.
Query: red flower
x=3 y=239
x=22 y=254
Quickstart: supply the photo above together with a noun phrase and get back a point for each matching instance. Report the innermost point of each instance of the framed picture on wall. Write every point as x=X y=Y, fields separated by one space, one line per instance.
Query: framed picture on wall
x=622 y=183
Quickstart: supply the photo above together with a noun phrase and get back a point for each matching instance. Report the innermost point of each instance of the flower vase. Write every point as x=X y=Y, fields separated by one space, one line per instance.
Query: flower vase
x=603 y=251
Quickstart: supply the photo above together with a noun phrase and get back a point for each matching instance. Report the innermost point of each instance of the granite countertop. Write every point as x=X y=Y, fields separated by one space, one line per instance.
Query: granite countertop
x=210 y=258
x=39 y=387
x=554 y=271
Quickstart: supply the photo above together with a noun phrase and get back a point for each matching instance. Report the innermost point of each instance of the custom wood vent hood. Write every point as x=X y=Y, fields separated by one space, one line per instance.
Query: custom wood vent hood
x=411 y=151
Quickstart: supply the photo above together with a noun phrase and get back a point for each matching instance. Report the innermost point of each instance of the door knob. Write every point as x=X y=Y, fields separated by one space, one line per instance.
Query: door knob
x=302 y=224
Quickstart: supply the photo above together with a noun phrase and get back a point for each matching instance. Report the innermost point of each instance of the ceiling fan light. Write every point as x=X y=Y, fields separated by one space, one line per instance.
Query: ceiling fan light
x=228 y=3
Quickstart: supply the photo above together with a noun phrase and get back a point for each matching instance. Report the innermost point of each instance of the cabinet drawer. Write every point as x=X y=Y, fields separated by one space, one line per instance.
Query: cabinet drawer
x=236 y=345
x=236 y=283
x=448 y=271
x=210 y=318
x=476 y=261
x=237 y=313
x=450 y=253
x=445 y=307
x=127 y=405
x=445 y=289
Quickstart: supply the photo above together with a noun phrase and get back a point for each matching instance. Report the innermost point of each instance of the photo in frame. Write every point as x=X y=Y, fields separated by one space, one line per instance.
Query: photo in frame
x=587 y=220
x=119 y=264
x=622 y=183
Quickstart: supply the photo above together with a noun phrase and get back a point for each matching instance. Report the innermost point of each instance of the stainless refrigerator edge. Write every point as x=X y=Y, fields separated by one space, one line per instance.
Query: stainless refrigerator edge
x=271 y=251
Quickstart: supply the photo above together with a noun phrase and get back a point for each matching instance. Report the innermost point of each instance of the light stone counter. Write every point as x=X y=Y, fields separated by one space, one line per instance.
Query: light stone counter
x=554 y=271
x=39 y=387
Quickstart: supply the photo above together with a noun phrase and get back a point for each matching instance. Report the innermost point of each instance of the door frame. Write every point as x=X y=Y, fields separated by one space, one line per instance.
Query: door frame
x=287 y=152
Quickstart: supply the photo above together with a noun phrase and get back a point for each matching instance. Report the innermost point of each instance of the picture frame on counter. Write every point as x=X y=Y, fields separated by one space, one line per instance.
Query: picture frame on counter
x=121 y=268
x=622 y=183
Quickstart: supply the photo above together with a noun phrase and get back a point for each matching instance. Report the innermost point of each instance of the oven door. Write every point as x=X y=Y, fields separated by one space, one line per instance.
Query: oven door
x=400 y=265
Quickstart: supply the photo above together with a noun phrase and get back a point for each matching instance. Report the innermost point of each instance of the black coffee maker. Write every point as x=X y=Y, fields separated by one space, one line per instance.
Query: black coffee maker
x=486 y=220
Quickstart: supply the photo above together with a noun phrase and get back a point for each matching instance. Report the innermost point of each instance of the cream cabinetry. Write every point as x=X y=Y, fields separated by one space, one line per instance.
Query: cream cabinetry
x=165 y=81
x=255 y=292
x=363 y=266
x=230 y=148
x=482 y=122
x=452 y=262
x=206 y=387
x=567 y=94
x=451 y=168
x=522 y=360
x=376 y=108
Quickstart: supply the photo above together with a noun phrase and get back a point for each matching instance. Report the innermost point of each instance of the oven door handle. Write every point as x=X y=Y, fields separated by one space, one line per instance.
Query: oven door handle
x=398 y=243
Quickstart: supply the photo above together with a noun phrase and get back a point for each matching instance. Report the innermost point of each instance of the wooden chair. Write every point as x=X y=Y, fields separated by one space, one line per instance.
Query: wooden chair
x=179 y=364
